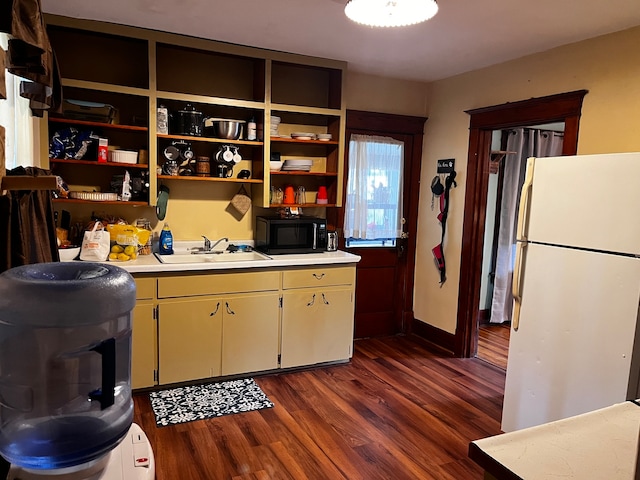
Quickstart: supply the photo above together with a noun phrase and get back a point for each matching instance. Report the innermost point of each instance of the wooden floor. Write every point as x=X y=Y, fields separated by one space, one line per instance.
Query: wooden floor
x=493 y=344
x=396 y=411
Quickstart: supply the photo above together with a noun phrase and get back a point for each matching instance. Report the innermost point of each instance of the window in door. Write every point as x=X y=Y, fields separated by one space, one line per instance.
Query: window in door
x=373 y=206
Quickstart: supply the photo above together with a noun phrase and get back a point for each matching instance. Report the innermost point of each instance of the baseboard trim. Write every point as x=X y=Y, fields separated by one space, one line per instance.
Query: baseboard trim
x=434 y=336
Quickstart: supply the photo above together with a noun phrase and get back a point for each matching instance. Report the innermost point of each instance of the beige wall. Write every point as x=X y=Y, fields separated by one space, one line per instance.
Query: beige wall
x=608 y=67
x=385 y=95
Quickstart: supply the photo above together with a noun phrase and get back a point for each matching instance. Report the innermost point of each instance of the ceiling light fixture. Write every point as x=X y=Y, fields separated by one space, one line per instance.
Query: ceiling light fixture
x=390 y=13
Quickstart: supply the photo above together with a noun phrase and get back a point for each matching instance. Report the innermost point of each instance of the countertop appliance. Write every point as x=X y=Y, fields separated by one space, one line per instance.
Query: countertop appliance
x=576 y=285
x=275 y=235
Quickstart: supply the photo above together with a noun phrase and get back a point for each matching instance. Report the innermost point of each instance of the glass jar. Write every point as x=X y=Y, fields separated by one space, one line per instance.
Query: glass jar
x=146 y=248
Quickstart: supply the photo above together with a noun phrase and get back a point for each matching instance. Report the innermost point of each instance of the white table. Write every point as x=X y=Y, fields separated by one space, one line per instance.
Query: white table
x=598 y=445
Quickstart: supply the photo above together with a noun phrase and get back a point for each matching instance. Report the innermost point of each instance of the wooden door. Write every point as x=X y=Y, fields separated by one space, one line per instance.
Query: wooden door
x=384 y=276
x=250 y=333
x=189 y=339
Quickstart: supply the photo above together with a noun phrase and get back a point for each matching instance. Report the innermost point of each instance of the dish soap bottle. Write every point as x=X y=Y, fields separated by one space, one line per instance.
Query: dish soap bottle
x=166 y=241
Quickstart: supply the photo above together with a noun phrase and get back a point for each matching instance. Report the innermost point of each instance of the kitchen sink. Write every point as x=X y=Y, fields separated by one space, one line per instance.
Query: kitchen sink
x=213 y=257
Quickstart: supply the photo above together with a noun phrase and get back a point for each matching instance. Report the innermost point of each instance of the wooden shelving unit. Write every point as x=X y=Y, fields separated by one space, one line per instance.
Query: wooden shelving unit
x=218 y=79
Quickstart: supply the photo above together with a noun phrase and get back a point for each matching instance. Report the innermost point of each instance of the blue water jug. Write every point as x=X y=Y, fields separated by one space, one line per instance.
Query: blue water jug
x=65 y=362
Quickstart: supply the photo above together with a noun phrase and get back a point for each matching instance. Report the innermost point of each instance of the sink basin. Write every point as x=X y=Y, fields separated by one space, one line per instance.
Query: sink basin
x=212 y=257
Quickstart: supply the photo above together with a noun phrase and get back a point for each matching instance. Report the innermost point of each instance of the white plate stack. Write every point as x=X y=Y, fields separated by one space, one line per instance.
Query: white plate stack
x=303 y=136
x=300 y=165
x=275 y=123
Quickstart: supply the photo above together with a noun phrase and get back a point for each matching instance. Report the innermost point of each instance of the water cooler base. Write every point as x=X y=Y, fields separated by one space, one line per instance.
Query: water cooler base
x=132 y=459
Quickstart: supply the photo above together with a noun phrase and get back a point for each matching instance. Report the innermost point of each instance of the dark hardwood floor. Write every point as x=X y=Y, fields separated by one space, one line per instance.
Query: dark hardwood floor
x=396 y=411
x=493 y=344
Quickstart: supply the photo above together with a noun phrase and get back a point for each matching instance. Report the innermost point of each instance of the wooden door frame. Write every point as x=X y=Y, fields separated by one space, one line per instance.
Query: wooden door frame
x=564 y=107
x=379 y=123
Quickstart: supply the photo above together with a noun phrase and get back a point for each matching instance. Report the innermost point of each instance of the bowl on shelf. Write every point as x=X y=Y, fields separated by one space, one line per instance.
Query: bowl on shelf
x=223 y=128
x=123 y=156
x=275 y=166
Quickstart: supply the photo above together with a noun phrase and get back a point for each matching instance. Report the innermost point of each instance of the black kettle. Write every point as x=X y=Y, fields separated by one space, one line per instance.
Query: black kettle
x=188 y=121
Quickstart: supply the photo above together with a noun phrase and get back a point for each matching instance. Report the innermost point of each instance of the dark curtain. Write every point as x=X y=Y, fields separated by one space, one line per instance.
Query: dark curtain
x=27 y=226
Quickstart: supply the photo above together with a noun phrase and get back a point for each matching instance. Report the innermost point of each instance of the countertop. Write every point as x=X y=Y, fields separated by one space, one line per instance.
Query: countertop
x=602 y=444
x=150 y=264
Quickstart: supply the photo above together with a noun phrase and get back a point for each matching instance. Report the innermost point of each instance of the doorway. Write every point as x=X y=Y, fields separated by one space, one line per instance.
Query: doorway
x=564 y=108
x=510 y=149
x=384 y=275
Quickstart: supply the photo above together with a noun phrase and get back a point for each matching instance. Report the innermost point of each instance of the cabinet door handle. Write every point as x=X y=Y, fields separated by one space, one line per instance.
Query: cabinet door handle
x=313 y=300
x=318 y=277
x=324 y=300
x=229 y=311
x=216 y=310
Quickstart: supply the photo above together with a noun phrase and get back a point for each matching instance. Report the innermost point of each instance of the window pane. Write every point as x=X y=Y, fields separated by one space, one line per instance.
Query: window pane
x=373 y=207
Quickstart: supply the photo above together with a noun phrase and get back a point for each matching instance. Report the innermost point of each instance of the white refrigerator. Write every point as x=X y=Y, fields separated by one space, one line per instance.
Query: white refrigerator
x=574 y=344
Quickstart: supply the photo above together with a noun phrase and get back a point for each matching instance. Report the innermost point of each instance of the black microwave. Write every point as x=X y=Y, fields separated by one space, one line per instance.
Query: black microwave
x=276 y=235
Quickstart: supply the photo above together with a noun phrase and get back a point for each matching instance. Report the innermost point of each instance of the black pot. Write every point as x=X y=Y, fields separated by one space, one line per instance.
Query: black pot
x=188 y=121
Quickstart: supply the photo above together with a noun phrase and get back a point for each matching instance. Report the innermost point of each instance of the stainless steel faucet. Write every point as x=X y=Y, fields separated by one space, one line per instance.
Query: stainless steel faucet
x=208 y=246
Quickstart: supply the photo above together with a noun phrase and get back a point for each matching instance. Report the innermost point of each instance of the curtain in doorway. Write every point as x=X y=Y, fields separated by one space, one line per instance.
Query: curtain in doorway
x=373 y=207
x=527 y=143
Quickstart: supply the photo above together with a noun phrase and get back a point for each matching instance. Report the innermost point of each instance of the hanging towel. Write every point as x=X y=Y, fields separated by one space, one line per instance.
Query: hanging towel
x=27 y=226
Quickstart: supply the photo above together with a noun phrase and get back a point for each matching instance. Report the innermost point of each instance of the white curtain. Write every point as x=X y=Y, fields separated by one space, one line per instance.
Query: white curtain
x=373 y=208
x=15 y=116
x=528 y=143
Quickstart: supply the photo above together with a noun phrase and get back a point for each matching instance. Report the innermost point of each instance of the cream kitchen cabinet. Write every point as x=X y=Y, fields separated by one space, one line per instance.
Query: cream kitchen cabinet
x=206 y=329
x=317 y=315
x=144 y=352
x=250 y=332
x=189 y=339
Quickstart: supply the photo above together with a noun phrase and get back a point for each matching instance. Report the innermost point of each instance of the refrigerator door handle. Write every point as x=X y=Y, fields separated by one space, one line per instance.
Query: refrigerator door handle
x=516 y=285
x=525 y=195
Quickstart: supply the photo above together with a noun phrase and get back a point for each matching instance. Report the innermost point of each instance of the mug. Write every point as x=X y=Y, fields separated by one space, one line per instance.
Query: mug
x=244 y=174
x=170 y=167
x=289 y=195
x=224 y=171
x=322 y=195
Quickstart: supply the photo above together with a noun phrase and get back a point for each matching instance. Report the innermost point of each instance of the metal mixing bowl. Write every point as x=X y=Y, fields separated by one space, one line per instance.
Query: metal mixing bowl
x=223 y=128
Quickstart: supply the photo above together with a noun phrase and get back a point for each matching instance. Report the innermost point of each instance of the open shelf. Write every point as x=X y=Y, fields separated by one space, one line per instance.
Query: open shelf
x=301 y=205
x=92 y=202
x=110 y=126
x=191 y=138
x=209 y=179
x=95 y=163
x=301 y=173
x=302 y=142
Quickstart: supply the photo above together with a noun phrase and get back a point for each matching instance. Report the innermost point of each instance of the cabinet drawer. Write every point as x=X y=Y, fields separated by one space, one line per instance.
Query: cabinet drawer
x=145 y=288
x=212 y=284
x=319 y=276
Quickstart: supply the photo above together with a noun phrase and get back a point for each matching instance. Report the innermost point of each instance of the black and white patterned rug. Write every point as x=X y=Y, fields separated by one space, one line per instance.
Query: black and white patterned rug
x=197 y=402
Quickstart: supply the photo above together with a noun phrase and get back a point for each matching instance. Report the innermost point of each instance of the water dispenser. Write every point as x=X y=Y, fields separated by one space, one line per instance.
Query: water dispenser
x=65 y=353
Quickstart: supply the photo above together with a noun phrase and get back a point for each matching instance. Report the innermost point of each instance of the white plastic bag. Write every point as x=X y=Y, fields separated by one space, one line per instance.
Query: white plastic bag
x=95 y=244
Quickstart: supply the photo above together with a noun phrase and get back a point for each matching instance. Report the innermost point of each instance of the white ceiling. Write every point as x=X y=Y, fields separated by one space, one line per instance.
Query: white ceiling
x=463 y=36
